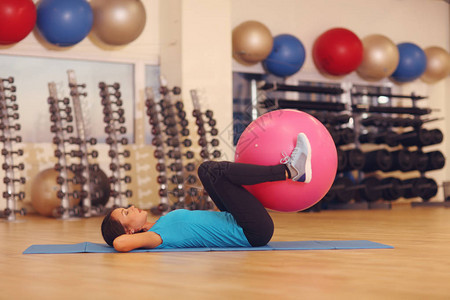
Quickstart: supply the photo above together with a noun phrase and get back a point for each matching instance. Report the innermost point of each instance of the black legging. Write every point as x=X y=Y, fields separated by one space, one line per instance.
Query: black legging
x=223 y=181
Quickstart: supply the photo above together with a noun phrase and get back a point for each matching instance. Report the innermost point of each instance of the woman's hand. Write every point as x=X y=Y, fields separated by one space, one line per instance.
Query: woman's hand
x=128 y=242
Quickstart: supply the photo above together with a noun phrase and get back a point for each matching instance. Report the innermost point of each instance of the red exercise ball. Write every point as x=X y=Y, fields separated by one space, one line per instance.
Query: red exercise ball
x=17 y=19
x=338 y=51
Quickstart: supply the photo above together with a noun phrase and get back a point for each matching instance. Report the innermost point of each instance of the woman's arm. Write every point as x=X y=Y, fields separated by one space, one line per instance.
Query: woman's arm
x=128 y=242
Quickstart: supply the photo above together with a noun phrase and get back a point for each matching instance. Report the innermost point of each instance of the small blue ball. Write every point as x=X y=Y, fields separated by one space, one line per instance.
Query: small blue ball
x=287 y=56
x=412 y=63
x=64 y=22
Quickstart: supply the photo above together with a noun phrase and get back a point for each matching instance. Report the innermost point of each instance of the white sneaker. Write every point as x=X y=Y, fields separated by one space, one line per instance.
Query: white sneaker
x=300 y=159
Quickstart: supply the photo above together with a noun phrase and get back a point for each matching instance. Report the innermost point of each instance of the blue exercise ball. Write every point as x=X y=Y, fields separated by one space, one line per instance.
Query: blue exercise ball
x=287 y=56
x=64 y=23
x=412 y=63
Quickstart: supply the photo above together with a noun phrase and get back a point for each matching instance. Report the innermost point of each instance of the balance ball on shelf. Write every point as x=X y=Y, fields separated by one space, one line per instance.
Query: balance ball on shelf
x=287 y=56
x=337 y=52
x=17 y=19
x=438 y=64
x=64 y=23
x=380 y=58
x=412 y=63
x=252 y=42
x=118 y=22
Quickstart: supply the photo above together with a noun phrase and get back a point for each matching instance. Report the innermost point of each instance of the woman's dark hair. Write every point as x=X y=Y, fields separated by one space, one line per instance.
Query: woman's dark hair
x=111 y=228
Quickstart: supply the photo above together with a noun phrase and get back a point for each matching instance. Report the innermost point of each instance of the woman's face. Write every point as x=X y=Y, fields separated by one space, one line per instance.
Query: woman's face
x=131 y=218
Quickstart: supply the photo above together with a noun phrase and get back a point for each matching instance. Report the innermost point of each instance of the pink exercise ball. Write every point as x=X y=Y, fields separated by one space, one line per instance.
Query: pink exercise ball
x=265 y=140
x=438 y=64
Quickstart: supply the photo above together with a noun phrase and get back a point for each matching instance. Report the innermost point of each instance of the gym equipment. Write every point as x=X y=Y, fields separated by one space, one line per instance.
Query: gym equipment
x=266 y=139
x=266 y=86
x=412 y=63
x=88 y=247
x=7 y=132
x=380 y=57
x=354 y=159
x=337 y=52
x=110 y=98
x=372 y=189
x=252 y=42
x=302 y=105
x=287 y=56
x=46 y=193
x=378 y=160
x=17 y=19
x=64 y=23
x=361 y=108
x=438 y=64
x=118 y=22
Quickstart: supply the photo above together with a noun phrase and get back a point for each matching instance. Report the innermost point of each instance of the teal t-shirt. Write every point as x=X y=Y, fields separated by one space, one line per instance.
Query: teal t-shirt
x=198 y=229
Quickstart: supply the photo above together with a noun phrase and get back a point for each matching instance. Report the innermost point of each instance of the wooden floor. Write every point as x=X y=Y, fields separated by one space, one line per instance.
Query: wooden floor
x=418 y=267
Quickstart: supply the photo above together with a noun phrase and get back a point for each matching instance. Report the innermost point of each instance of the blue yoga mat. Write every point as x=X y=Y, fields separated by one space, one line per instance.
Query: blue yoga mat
x=88 y=247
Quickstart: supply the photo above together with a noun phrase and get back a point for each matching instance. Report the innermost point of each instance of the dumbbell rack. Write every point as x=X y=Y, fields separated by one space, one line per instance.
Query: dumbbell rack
x=351 y=136
x=113 y=117
x=8 y=110
x=61 y=117
x=169 y=125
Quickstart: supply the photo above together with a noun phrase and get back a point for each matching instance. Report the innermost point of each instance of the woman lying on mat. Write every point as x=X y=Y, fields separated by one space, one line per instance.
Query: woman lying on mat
x=242 y=220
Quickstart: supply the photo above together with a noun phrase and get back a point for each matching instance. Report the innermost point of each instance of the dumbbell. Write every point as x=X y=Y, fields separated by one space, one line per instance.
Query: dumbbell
x=7 y=212
x=204 y=142
x=127 y=193
x=402 y=160
x=354 y=159
x=108 y=119
x=19 y=195
x=210 y=122
x=165 y=90
x=12 y=106
x=202 y=131
x=378 y=160
x=172 y=131
x=176 y=167
x=346 y=136
x=54 y=110
x=75 y=194
x=174 y=142
x=7 y=180
x=16 y=139
x=174 y=179
x=205 y=154
x=117 y=102
x=379 y=138
x=8 y=80
x=420 y=137
x=422 y=187
x=159 y=209
x=54 y=101
x=11 y=88
x=176 y=192
x=343 y=189
x=55 y=128
x=175 y=154
x=14 y=116
x=6 y=166
x=102 y=85
x=114 y=167
x=126 y=179
x=55 y=118
x=110 y=141
x=6 y=152
x=208 y=113
x=109 y=111
x=111 y=129
x=15 y=126
x=113 y=153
